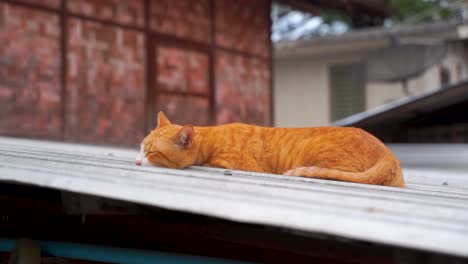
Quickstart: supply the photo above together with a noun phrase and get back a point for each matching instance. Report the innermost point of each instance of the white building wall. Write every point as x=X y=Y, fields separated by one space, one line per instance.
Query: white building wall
x=301 y=85
x=457 y=62
x=381 y=93
x=301 y=93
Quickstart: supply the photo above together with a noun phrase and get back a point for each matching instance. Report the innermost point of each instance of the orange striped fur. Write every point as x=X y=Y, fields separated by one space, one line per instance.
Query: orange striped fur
x=334 y=153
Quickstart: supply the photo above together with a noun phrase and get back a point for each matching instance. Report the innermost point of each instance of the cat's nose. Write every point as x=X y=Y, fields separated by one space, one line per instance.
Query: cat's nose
x=140 y=157
x=139 y=160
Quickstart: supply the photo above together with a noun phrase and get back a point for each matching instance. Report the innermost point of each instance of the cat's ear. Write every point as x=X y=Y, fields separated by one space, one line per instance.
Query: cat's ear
x=184 y=138
x=162 y=120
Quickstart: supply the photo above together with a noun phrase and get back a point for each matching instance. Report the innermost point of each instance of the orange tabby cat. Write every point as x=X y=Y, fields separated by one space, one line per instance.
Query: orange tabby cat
x=335 y=153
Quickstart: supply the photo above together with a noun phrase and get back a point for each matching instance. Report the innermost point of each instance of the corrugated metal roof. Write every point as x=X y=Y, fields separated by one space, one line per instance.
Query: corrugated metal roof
x=430 y=214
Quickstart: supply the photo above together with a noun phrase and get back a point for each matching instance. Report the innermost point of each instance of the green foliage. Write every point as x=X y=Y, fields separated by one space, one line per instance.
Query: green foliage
x=330 y=16
x=422 y=10
x=406 y=11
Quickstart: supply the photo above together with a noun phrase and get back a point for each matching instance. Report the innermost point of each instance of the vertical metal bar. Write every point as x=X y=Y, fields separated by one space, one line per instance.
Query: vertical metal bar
x=331 y=93
x=212 y=67
x=64 y=66
x=271 y=66
x=149 y=71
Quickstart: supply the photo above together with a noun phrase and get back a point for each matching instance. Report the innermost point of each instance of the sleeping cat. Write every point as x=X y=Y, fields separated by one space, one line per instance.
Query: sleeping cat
x=334 y=153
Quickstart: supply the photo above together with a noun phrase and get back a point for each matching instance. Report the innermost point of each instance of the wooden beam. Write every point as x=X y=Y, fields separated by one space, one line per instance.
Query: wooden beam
x=373 y=8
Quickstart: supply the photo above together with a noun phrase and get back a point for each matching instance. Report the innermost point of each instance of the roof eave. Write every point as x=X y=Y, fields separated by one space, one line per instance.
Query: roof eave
x=371 y=38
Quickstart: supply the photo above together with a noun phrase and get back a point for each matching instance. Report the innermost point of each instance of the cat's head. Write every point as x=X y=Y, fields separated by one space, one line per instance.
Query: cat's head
x=168 y=145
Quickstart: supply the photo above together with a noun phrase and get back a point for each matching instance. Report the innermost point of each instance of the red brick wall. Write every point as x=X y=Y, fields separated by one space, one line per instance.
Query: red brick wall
x=242 y=89
x=128 y=12
x=182 y=84
x=185 y=110
x=30 y=90
x=105 y=83
x=242 y=81
x=243 y=25
x=182 y=70
x=46 y=3
x=183 y=18
x=200 y=61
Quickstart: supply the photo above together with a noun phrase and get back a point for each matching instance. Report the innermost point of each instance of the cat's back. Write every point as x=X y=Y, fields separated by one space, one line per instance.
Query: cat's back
x=349 y=137
x=345 y=148
x=318 y=133
x=299 y=133
x=326 y=137
x=338 y=149
x=235 y=134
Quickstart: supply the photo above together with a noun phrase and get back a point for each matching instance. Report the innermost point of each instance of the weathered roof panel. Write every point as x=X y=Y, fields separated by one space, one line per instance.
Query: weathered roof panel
x=429 y=214
x=409 y=107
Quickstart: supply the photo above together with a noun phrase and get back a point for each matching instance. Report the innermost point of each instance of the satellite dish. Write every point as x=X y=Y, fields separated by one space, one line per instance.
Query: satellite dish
x=401 y=62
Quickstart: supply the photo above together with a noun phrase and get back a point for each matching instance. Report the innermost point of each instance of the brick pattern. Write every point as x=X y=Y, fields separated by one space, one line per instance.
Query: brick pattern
x=181 y=73
x=30 y=90
x=105 y=84
x=181 y=70
x=243 y=25
x=242 y=89
x=105 y=79
x=129 y=12
x=183 y=18
x=46 y=3
x=184 y=110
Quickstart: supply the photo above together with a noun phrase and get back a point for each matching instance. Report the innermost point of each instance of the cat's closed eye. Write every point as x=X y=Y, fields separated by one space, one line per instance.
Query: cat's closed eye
x=150 y=153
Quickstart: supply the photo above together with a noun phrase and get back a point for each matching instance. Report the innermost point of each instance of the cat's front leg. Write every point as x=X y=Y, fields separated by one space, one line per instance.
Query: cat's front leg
x=244 y=164
x=220 y=163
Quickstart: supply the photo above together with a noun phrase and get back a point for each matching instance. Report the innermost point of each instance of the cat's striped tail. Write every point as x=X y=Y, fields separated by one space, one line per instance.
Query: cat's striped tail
x=384 y=172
